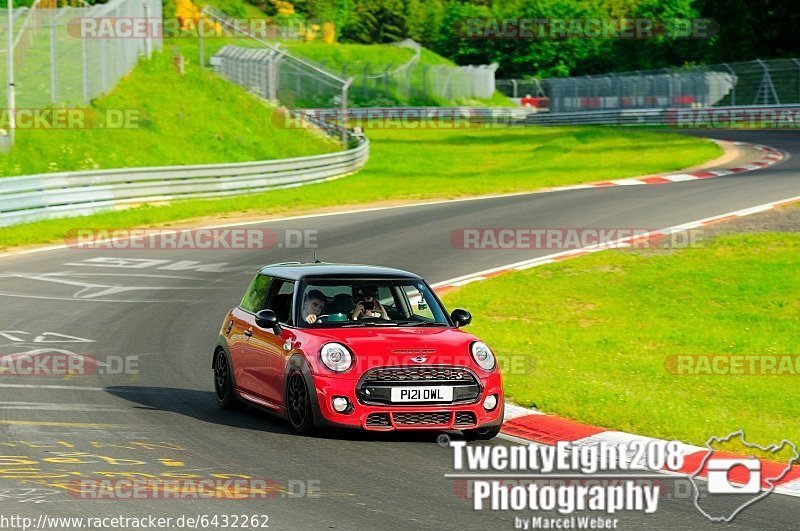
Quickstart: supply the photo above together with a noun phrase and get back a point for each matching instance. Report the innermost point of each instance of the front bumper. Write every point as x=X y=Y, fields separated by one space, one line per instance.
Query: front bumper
x=386 y=417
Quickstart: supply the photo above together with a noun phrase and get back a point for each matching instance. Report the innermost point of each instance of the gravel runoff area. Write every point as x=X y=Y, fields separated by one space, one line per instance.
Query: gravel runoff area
x=782 y=219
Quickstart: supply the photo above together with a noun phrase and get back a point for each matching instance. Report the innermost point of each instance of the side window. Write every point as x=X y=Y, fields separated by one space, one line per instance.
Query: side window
x=386 y=296
x=280 y=300
x=255 y=295
x=418 y=304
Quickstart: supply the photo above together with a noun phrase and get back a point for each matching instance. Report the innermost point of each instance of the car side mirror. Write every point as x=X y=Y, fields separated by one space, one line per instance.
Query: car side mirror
x=461 y=317
x=267 y=319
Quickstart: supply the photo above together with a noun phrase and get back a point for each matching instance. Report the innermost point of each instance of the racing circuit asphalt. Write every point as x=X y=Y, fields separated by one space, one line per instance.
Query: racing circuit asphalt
x=165 y=420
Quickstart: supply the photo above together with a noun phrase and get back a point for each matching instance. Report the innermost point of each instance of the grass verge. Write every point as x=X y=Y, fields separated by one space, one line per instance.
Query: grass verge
x=601 y=332
x=410 y=164
x=193 y=118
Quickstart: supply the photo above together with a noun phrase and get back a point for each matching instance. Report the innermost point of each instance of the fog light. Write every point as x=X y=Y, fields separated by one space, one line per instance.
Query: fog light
x=490 y=402
x=340 y=404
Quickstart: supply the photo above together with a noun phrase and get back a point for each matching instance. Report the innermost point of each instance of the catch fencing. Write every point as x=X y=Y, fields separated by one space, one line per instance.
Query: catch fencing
x=415 y=83
x=759 y=82
x=270 y=70
x=60 y=59
x=275 y=73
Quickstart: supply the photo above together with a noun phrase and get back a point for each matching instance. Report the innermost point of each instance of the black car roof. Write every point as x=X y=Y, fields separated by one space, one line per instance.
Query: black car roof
x=297 y=271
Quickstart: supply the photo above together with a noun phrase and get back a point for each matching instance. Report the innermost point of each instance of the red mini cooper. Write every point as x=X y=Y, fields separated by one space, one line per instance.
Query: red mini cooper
x=353 y=346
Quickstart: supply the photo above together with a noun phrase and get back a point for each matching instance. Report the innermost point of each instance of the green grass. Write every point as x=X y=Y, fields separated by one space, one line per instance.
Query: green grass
x=193 y=118
x=427 y=164
x=434 y=163
x=593 y=335
x=356 y=61
x=356 y=55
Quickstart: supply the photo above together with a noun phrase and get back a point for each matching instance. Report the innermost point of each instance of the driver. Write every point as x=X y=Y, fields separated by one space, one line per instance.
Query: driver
x=313 y=303
x=368 y=305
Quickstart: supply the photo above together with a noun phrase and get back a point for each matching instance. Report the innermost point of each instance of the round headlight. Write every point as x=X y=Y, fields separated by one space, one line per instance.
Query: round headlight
x=336 y=357
x=482 y=355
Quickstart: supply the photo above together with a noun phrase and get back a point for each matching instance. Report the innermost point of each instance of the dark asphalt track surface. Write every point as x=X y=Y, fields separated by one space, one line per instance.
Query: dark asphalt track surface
x=163 y=420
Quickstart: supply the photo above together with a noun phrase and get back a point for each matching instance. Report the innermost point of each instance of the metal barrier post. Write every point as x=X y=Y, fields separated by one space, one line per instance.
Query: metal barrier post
x=12 y=121
x=53 y=62
x=201 y=43
x=735 y=81
x=797 y=62
x=85 y=62
x=147 y=51
x=345 y=89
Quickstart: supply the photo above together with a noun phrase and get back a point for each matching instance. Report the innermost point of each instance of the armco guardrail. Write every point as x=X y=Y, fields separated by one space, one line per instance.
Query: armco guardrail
x=52 y=195
x=683 y=118
x=447 y=116
x=609 y=117
x=458 y=117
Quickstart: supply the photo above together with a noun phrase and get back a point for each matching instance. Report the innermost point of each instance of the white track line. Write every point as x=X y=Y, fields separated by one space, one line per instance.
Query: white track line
x=611 y=244
x=779 y=156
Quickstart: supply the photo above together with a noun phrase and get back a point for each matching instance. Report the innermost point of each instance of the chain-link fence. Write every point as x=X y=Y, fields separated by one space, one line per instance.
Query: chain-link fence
x=414 y=83
x=521 y=88
x=269 y=70
x=62 y=56
x=303 y=83
x=758 y=82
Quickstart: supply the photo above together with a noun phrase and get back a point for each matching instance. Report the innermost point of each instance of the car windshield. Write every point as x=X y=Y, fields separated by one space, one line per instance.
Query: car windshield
x=375 y=302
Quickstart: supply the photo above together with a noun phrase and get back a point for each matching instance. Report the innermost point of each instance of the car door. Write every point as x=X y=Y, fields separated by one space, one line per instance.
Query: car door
x=265 y=355
x=243 y=326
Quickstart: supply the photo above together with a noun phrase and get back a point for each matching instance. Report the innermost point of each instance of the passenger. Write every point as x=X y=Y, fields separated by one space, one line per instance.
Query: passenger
x=367 y=304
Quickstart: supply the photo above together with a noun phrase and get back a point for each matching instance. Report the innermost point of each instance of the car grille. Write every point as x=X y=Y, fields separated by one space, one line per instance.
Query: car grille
x=378 y=420
x=461 y=419
x=376 y=385
x=465 y=418
x=416 y=419
x=418 y=374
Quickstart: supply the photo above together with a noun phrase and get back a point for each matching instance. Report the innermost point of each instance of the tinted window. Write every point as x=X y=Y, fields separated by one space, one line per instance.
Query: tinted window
x=281 y=298
x=369 y=302
x=256 y=294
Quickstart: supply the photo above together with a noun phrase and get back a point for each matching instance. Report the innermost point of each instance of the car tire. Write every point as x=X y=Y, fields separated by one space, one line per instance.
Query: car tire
x=223 y=382
x=298 y=404
x=482 y=434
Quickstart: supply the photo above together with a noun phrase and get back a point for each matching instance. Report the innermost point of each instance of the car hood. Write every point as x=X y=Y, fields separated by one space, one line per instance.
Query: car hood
x=396 y=346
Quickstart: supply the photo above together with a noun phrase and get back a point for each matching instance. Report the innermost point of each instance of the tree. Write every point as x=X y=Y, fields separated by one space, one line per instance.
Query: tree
x=375 y=21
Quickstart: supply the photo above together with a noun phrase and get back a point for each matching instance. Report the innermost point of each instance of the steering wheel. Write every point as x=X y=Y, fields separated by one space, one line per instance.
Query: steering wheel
x=332 y=317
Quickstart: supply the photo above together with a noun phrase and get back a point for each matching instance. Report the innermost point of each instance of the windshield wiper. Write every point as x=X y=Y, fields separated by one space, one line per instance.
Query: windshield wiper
x=377 y=323
x=420 y=323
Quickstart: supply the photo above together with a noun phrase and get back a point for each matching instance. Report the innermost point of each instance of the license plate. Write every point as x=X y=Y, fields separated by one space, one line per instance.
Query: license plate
x=422 y=394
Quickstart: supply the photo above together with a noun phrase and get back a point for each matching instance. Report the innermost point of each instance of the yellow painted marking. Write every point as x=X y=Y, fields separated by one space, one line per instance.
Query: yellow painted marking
x=64 y=424
x=171 y=462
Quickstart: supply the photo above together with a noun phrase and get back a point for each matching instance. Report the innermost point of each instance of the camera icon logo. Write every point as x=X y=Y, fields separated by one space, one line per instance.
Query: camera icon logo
x=735 y=483
x=725 y=476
